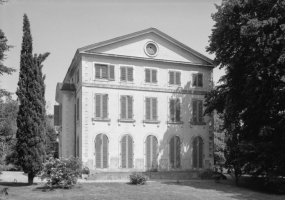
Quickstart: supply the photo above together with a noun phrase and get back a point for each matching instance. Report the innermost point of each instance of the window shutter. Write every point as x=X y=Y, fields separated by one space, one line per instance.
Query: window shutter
x=130 y=107
x=194 y=111
x=178 y=150
x=200 y=148
x=178 y=78
x=147 y=108
x=124 y=151
x=130 y=74
x=98 y=144
x=130 y=152
x=111 y=72
x=105 y=151
x=200 y=111
x=171 y=151
x=56 y=115
x=154 y=152
x=171 y=78
x=147 y=75
x=105 y=106
x=97 y=105
x=104 y=69
x=200 y=80
x=171 y=109
x=177 y=113
x=148 y=152
x=97 y=71
x=123 y=74
x=154 y=109
x=195 y=152
x=195 y=79
x=123 y=107
x=154 y=76
x=77 y=109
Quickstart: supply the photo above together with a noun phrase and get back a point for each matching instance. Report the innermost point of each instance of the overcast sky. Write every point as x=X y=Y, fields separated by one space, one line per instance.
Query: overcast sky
x=61 y=27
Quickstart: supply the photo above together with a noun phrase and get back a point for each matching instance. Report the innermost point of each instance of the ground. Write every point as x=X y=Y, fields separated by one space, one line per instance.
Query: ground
x=159 y=190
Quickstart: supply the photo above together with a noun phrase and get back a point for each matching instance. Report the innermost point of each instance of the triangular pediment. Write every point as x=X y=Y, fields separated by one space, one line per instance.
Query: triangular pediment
x=134 y=45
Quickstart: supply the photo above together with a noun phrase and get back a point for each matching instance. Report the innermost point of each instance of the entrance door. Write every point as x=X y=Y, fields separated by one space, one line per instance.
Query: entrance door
x=174 y=151
x=151 y=152
x=101 y=151
x=127 y=151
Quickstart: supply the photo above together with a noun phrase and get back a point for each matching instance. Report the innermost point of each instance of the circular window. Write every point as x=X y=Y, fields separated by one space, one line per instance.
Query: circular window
x=151 y=49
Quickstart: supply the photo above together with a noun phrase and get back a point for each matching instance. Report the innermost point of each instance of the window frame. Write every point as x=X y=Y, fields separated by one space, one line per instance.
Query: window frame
x=192 y=116
x=101 y=118
x=120 y=75
x=197 y=74
x=169 y=112
x=151 y=111
x=120 y=109
x=168 y=77
x=108 y=72
x=157 y=75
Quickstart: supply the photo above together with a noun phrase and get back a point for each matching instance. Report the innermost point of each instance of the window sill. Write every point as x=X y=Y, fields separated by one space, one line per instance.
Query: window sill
x=151 y=121
x=101 y=80
x=153 y=84
x=171 y=122
x=127 y=120
x=178 y=85
x=101 y=119
x=198 y=123
x=127 y=82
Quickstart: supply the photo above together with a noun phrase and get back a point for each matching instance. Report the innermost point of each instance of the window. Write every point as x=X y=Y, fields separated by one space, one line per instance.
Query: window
x=77 y=76
x=174 y=78
x=77 y=111
x=197 y=155
x=197 y=111
x=127 y=153
x=150 y=75
x=197 y=80
x=175 y=152
x=103 y=71
x=101 y=106
x=151 y=152
x=127 y=107
x=151 y=108
x=127 y=74
x=174 y=110
x=101 y=151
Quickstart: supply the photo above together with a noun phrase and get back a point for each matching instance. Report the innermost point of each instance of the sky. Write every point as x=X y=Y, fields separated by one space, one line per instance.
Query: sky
x=62 y=26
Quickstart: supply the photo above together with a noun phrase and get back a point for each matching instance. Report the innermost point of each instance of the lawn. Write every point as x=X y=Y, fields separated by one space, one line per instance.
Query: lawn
x=163 y=190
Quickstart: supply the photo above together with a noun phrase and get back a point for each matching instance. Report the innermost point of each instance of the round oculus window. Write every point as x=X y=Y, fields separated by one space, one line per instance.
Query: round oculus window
x=151 y=49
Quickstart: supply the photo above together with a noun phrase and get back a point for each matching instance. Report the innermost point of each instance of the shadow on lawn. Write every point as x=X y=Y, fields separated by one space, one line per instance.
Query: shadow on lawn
x=15 y=184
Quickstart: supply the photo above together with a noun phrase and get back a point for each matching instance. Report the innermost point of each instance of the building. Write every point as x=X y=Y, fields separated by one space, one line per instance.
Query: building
x=135 y=102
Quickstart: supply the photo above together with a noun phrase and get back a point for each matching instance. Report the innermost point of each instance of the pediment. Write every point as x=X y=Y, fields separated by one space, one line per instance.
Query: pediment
x=136 y=44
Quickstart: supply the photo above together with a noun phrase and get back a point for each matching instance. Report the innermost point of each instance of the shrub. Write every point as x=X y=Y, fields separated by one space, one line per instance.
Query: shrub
x=86 y=170
x=206 y=174
x=61 y=172
x=138 y=179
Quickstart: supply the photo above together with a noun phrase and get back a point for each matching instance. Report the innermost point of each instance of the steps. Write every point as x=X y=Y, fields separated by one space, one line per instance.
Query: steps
x=167 y=175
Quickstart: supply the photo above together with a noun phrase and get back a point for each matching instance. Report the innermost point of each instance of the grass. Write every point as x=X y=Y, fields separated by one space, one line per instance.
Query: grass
x=163 y=190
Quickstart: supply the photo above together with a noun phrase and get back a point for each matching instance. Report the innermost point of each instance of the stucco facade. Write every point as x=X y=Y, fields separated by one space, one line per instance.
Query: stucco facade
x=180 y=142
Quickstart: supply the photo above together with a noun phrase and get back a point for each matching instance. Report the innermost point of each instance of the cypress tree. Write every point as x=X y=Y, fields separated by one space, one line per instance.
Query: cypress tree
x=30 y=147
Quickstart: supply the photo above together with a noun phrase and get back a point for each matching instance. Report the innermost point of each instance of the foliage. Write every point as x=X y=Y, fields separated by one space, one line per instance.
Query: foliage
x=86 y=170
x=248 y=40
x=138 y=179
x=30 y=147
x=219 y=144
x=61 y=172
x=51 y=143
x=206 y=173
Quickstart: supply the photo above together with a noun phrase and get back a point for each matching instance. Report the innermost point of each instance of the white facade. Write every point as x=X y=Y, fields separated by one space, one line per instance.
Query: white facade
x=179 y=79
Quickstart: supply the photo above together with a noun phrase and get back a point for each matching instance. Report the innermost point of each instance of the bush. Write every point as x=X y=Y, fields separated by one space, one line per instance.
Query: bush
x=206 y=174
x=86 y=170
x=61 y=172
x=138 y=179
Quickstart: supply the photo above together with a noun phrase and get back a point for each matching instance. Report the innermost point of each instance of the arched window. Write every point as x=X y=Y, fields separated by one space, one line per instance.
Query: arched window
x=101 y=151
x=127 y=154
x=197 y=152
x=151 y=152
x=174 y=152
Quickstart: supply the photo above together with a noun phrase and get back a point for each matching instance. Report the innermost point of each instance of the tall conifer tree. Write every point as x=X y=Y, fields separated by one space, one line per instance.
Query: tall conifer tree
x=30 y=150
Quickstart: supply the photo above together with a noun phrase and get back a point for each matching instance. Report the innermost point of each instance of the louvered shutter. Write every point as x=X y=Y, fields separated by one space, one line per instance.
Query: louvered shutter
x=154 y=109
x=147 y=109
x=195 y=152
x=98 y=105
x=111 y=72
x=171 y=78
x=130 y=152
x=60 y=115
x=123 y=107
x=200 y=80
x=123 y=74
x=77 y=109
x=195 y=79
x=130 y=107
x=105 y=106
x=98 y=144
x=147 y=75
x=130 y=74
x=178 y=78
x=56 y=115
x=200 y=148
x=171 y=151
x=177 y=152
x=177 y=108
x=97 y=71
x=194 y=111
x=124 y=151
x=154 y=152
x=171 y=109
x=104 y=69
x=200 y=107
x=105 y=151
x=154 y=76
x=148 y=152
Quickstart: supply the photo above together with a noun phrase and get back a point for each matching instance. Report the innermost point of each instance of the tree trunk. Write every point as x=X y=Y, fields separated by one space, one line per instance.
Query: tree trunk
x=31 y=178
